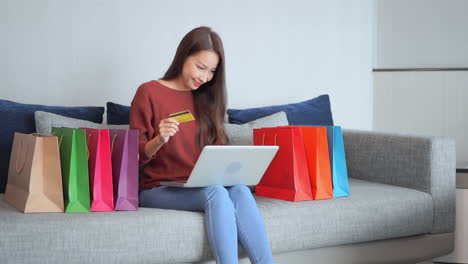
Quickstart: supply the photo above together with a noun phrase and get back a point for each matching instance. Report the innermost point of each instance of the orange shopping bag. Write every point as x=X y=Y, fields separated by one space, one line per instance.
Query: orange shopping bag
x=287 y=177
x=318 y=160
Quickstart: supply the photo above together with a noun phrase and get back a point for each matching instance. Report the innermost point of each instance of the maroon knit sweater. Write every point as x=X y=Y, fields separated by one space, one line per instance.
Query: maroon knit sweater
x=175 y=160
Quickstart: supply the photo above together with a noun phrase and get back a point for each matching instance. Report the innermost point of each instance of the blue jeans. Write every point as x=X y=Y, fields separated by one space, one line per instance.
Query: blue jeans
x=230 y=212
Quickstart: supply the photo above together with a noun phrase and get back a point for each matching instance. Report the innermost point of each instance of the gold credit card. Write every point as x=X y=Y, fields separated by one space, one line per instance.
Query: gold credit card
x=183 y=116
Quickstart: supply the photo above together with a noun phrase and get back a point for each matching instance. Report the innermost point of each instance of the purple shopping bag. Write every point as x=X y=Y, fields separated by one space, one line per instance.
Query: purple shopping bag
x=124 y=147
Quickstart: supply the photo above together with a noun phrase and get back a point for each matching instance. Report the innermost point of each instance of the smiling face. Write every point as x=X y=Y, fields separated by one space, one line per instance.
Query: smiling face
x=198 y=69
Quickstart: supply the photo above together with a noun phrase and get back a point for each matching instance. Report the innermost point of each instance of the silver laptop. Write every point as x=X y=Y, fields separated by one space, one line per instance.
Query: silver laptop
x=229 y=166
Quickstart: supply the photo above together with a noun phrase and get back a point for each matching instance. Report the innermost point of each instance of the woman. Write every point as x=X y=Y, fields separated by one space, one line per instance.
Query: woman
x=195 y=81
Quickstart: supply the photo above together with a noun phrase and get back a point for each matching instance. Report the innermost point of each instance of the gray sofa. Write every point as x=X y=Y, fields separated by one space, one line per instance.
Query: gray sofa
x=401 y=210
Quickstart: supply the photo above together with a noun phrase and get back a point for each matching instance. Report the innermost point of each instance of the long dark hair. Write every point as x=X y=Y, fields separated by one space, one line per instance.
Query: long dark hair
x=210 y=99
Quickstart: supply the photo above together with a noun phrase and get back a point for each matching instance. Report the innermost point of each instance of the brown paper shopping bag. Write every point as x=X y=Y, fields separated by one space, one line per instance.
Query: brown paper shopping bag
x=34 y=176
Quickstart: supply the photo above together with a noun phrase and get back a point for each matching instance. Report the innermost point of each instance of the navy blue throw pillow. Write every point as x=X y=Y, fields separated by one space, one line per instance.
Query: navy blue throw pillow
x=316 y=111
x=118 y=114
x=17 y=117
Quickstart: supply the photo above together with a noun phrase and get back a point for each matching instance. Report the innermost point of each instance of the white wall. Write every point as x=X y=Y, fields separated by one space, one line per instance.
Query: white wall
x=424 y=103
x=87 y=52
x=421 y=34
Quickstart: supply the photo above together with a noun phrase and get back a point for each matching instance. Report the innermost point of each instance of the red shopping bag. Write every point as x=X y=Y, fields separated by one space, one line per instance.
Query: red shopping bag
x=287 y=177
x=318 y=161
x=100 y=170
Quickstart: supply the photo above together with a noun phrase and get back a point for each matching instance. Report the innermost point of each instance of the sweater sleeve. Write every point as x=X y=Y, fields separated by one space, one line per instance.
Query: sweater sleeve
x=141 y=118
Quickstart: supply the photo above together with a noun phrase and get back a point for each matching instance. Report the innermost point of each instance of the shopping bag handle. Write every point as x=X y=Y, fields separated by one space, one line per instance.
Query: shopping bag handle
x=263 y=140
x=113 y=141
x=87 y=148
x=18 y=167
x=60 y=139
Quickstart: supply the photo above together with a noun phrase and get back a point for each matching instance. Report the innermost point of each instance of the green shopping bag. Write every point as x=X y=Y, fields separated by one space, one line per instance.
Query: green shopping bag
x=74 y=163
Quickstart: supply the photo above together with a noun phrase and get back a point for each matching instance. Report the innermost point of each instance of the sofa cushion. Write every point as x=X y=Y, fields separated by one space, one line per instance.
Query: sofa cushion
x=316 y=111
x=374 y=211
x=46 y=121
x=243 y=134
x=17 y=117
x=117 y=114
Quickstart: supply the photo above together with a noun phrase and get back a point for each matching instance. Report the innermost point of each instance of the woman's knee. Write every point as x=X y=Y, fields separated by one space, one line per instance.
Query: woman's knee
x=216 y=192
x=239 y=191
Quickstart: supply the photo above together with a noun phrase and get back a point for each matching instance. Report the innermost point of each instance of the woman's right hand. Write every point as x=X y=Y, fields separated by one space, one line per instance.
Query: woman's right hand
x=167 y=128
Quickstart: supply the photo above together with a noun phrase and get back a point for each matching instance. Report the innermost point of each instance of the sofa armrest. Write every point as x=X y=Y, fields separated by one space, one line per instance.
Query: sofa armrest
x=422 y=163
